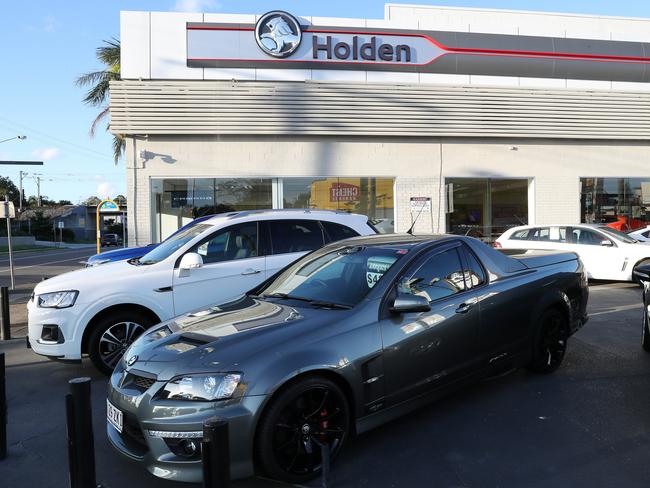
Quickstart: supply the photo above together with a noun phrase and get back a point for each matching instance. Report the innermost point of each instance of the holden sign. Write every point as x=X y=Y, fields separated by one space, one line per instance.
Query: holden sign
x=276 y=39
x=278 y=34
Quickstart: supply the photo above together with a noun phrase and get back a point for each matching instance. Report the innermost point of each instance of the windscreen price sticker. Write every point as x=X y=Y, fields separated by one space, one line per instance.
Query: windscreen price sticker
x=376 y=268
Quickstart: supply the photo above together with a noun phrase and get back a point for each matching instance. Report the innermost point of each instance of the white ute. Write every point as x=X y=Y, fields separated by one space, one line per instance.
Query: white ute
x=101 y=310
x=606 y=253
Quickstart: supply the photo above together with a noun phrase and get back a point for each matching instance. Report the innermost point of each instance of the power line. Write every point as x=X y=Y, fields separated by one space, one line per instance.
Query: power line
x=47 y=137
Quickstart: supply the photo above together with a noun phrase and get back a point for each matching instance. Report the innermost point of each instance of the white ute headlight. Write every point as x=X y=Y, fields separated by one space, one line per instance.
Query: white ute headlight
x=57 y=299
x=205 y=387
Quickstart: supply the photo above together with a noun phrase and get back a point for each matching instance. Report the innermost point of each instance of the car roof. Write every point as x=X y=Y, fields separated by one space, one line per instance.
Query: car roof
x=390 y=240
x=284 y=213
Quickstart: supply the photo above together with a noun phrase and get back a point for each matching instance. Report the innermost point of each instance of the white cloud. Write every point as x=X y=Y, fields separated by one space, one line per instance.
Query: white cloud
x=50 y=24
x=47 y=153
x=194 y=5
x=106 y=189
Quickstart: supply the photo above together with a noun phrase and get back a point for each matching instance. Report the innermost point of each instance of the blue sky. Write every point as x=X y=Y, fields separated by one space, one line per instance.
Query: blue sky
x=46 y=44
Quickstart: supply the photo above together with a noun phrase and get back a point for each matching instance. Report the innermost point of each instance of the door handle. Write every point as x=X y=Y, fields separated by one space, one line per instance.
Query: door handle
x=464 y=307
x=251 y=271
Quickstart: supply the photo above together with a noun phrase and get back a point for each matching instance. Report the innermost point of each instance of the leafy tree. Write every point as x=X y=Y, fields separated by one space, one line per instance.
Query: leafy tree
x=98 y=91
x=8 y=188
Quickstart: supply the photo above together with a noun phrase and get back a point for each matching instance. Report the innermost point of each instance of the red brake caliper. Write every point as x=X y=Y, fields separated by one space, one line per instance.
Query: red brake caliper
x=324 y=424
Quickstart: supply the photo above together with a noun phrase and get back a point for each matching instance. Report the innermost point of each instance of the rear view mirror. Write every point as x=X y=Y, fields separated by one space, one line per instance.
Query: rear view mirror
x=191 y=260
x=410 y=303
x=606 y=242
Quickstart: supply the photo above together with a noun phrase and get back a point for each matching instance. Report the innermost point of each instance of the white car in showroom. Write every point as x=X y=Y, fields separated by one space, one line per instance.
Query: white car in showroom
x=99 y=311
x=641 y=235
x=606 y=253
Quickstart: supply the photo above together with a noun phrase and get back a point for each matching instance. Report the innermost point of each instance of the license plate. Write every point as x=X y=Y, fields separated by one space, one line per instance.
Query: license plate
x=114 y=416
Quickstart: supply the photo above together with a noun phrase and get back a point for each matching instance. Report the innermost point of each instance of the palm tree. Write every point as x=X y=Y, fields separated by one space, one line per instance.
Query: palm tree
x=98 y=93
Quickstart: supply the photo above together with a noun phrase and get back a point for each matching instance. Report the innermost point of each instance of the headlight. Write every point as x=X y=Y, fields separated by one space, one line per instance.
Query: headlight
x=205 y=387
x=58 y=299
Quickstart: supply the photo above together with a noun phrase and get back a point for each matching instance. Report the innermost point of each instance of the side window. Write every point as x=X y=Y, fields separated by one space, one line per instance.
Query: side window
x=540 y=234
x=475 y=275
x=295 y=235
x=337 y=232
x=585 y=237
x=441 y=275
x=646 y=233
x=236 y=242
x=521 y=235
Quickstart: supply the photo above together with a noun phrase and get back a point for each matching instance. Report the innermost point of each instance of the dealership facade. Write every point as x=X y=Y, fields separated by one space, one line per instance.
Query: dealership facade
x=467 y=120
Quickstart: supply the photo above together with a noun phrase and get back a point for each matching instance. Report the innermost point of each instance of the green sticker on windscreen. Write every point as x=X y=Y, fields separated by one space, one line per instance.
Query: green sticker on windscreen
x=376 y=267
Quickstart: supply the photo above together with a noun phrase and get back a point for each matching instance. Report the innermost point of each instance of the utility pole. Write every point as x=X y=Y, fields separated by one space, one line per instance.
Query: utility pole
x=20 y=192
x=38 y=191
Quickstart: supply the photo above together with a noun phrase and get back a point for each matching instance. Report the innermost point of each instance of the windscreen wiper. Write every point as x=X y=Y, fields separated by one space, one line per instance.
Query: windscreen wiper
x=324 y=304
x=286 y=296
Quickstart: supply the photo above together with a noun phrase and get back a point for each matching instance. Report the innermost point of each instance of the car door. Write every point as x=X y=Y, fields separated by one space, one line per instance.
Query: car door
x=424 y=350
x=289 y=240
x=233 y=263
x=601 y=260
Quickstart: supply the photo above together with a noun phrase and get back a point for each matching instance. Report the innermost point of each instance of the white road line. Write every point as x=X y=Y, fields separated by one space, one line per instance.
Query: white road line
x=622 y=308
x=40 y=264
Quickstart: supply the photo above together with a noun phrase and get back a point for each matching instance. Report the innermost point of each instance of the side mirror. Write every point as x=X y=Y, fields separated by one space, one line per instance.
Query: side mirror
x=606 y=243
x=191 y=260
x=410 y=303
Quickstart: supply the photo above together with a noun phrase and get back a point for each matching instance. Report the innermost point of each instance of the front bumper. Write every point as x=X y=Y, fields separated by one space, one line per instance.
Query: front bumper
x=67 y=320
x=142 y=414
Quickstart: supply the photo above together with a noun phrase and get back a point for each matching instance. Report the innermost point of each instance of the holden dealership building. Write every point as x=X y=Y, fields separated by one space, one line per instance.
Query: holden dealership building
x=468 y=120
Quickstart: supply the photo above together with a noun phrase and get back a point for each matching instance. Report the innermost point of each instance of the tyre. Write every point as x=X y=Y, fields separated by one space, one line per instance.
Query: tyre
x=549 y=342
x=112 y=335
x=645 y=338
x=309 y=413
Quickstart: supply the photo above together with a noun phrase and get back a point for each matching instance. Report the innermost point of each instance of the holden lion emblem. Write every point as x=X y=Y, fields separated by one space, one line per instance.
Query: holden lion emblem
x=278 y=34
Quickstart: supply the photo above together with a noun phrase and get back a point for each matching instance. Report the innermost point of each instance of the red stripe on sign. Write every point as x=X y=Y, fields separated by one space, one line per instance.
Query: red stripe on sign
x=447 y=49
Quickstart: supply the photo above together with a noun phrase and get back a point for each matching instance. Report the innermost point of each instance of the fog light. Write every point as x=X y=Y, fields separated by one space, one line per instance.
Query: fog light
x=51 y=334
x=188 y=447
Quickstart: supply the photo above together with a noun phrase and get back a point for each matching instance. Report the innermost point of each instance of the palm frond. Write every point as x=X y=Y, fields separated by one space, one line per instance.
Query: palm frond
x=110 y=53
x=98 y=94
x=119 y=144
x=90 y=78
x=98 y=119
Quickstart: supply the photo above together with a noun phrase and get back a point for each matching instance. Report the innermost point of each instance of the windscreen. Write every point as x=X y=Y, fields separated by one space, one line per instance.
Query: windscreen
x=621 y=236
x=169 y=246
x=341 y=277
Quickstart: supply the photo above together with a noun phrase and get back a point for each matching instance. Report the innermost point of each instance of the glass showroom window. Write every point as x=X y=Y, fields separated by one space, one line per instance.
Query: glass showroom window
x=486 y=207
x=175 y=202
x=368 y=196
x=621 y=203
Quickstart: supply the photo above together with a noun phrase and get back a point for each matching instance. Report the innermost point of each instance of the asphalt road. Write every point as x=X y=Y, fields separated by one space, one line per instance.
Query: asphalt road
x=30 y=267
x=586 y=425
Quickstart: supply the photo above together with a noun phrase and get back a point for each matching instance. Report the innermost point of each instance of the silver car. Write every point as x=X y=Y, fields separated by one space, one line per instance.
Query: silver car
x=343 y=340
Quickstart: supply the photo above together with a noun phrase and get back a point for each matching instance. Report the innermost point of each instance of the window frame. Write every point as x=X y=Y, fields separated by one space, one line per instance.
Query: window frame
x=420 y=260
x=261 y=251
x=465 y=253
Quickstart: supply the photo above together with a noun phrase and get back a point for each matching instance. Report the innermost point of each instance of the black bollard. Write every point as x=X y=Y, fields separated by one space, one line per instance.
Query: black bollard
x=215 y=453
x=3 y=408
x=81 y=444
x=5 y=324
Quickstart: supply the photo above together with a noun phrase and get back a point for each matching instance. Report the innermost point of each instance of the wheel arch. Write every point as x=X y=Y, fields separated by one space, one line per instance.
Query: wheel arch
x=121 y=307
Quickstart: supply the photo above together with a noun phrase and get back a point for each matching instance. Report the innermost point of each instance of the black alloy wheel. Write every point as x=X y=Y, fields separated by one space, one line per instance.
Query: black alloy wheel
x=549 y=344
x=645 y=341
x=112 y=336
x=307 y=415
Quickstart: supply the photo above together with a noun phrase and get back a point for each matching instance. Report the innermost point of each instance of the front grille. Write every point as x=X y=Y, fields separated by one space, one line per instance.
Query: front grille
x=137 y=381
x=142 y=382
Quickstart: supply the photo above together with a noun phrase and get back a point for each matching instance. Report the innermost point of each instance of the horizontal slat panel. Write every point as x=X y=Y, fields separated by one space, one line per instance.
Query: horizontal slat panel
x=274 y=108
